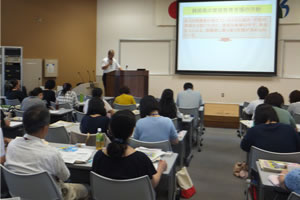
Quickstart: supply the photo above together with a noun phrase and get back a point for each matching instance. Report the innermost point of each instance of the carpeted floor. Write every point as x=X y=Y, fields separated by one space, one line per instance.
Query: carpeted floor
x=211 y=169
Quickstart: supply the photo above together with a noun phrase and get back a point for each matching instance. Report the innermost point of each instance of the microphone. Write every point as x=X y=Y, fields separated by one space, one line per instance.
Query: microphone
x=126 y=67
x=89 y=75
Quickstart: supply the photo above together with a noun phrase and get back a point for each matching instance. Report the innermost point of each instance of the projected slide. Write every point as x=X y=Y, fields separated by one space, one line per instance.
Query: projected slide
x=227 y=36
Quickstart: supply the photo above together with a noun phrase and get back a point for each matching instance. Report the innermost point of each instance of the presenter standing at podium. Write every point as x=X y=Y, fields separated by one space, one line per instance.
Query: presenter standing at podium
x=109 y=64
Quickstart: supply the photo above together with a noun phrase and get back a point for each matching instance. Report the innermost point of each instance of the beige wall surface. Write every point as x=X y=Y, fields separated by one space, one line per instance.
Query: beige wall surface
x=53 y=29
x=135 y=19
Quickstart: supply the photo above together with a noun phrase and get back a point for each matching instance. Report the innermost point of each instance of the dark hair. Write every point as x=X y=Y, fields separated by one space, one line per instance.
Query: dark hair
x=36 y=91
x=167 y=105
x=97 y=92
x=188 y=86
x=148 y=104
x=66 y=87
x=35 y=118
x=121 y=127
x=11 y=84
x=262 y=92
x=124 y=90
x=274 y=99
x=96 y=106
x=294 y=96
x=50 y=84
x=263 y=113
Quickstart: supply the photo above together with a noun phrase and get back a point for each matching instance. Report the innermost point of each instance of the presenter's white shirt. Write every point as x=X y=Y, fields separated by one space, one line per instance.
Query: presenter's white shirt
x=250 y=109
x=114 y=66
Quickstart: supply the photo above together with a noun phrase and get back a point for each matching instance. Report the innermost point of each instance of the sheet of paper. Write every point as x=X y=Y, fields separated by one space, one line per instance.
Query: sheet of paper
x=153 y=154
x=54 y=111
x=75 y=154
x=14 y=124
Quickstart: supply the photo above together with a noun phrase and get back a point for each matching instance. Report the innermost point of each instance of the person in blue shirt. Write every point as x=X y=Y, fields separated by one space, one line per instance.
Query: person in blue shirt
x=152 y=127
x=290 y=180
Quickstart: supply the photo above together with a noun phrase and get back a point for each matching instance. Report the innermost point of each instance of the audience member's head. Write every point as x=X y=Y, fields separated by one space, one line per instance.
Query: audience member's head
x=265 y=113
x=12 y=84
x=294 y=96
x=262 y=92
x=124 y=90
x=50 y=84
x=167 y=96
x=97 y=92
x=37 y=92
x=274 y=99
x=148 y=104
x=188 y=86
x=96 y=106
x=121 y=127
x=66 y=87
x=36 y=119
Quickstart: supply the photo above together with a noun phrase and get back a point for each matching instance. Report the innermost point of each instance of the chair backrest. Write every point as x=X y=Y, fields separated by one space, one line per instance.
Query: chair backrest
x=124 y=107
x=105 y=188
x=163 y=145
x=296 y=118
x=88 y=139
x=285 y=107
x=294 y=196
x=12 y=102
x=19 y=113
x=65 y=105
x=257 y=153
x=191 y=111
x=78 y=115
x=31 y=186
x=58 y=135
x=137 y=99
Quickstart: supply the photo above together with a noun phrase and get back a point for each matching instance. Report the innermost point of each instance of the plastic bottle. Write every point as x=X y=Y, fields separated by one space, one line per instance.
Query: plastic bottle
x=100 y=141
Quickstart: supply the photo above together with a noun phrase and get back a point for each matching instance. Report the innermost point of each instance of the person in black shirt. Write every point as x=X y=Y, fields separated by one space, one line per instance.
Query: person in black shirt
x=49 y=94
x=167 y=106
x=269 y=134
x=13 y=90
x=95 y=117
x=119 y=160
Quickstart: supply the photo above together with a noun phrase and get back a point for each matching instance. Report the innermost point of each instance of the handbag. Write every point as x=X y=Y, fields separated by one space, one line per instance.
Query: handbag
x=240 y=169
x=185 y=183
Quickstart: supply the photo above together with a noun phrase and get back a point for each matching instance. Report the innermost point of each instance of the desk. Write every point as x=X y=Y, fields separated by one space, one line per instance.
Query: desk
x=244 y=126
x=188 y=123
x=62 y=112
x=80 y=173
x=180 y=148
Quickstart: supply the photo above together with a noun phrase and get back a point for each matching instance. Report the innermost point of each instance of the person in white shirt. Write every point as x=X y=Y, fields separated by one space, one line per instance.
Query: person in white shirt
x=262 y=92
x=30 y=154
x=294 y=107
x=109 y=64
x=189 y=98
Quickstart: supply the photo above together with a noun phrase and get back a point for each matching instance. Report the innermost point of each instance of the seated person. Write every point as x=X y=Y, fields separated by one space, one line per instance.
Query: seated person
x=276 y=100
x=167 y=106
x=262 y=92
x=294 y=106
x=121 y=161
x=152 y=127
x=30 y=154
x=49 y=94
x=35 y=98
x=290 y=180
x=189 y=98
x=66 y=95
x=14 y=91
x=95 y=117
x=97 y=92
x=269 y=134
x=125 y=98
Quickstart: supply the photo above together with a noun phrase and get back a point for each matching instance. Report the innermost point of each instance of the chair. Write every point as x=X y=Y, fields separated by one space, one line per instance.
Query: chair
x=175 y=122
x=31 y=186
x=124 y=107
x=19 y=113
x=13 y=198
x=58 y=135
x=78 y=115
x=65 y=105
x=88 y=139
x=12 y=102
x=198 y=129
x=163 y=145
x=137 y=99
x=105 y=188
x=296 y=118
x=257 y=153
x=294 y=196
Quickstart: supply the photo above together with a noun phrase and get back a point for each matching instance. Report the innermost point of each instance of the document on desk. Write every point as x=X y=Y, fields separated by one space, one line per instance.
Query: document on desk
x=54 y=111
x=62 y=123
x=153 y=154
x=15 y=124
x=75 y=155
x=181 y=135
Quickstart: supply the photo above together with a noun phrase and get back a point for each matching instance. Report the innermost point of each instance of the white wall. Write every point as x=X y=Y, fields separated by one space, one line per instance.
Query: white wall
x=134 y=19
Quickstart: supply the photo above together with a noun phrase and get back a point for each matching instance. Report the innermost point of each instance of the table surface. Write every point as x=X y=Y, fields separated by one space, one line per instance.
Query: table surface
x=170 y=159
x=61 y=111
x=263 y=175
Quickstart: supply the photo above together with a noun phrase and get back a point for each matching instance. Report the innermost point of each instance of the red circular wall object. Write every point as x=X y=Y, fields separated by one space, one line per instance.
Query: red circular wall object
x=173 y=10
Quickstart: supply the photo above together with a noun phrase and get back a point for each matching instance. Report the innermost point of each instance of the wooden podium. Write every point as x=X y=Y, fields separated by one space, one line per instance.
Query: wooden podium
x=137 y=81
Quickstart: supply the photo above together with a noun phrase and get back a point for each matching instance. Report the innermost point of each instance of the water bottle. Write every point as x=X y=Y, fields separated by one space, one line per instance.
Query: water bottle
x=100 y=141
